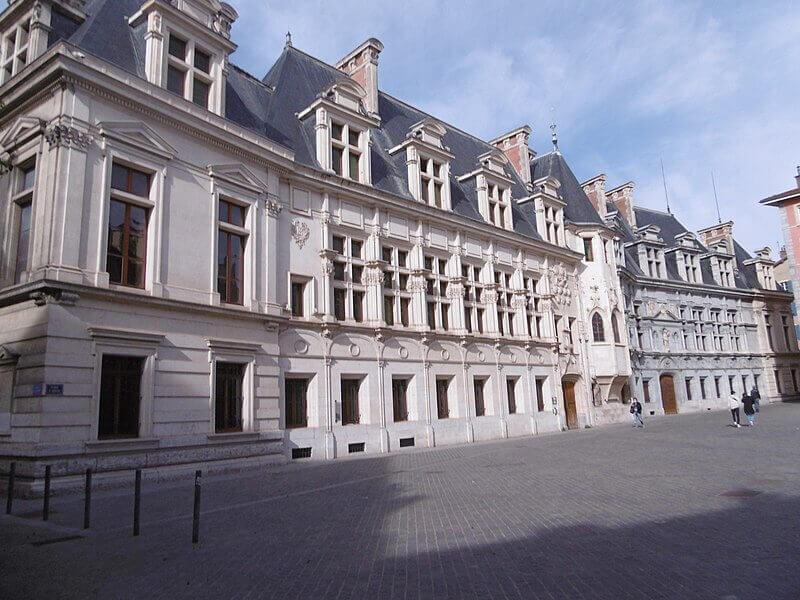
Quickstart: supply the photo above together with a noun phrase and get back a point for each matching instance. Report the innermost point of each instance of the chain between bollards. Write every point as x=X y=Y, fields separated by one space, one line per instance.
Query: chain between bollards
x=196 y=514
x=87 y=499
x=46 y=502
x=137 y=501
x=12 y=469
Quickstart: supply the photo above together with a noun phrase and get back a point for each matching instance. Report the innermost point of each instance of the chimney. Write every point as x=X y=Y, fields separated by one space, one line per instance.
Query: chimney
x=722 y=232
x=514 y=145
x=797 y=177
x=595 y=189
x=362 y=65
x=622 y=197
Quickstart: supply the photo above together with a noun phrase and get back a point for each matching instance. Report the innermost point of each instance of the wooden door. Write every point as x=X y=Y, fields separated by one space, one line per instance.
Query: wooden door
x=228 y=397
x=350 y=412
x=570 y=409
x=442 y=406
x=668 y=395
x=295 y=393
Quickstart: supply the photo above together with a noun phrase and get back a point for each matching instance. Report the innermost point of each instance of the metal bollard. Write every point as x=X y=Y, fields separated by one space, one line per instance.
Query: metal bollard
x=137 y=501
x=46 y=505
x=12 y=469
x=87 y=499
x=196 y=514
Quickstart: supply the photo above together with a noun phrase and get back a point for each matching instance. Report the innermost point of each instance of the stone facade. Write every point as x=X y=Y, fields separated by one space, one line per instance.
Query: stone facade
x=200 y=266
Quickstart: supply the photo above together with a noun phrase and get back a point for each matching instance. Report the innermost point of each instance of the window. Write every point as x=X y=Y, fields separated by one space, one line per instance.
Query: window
x=615 y=327
x=716 y=330
x=396 y=297
x=552 y=224
x=703 y=388
x=540 y=393
x=350 y=411
x=228 y=397
x=725 y=272
x=778 y=381
x=717 y=388
x=348 y=268
x=478 y=384
x=231 y=240
x=654 y=262
x=400 y=399
x=346 y=151
x=23 y=201
x=432 y=182
x=189 y=71
x=691 y=268
x=794 y=380
x=126 y=252
x=688 y=388
x=120 y=396
x=14 y=51
x=533 y=306
x=646 y=389
x=473 y=292
x=588 y=253
x=295 y=397
x=436 y=284
x=442 y=404
x=598 y=331
x=505 y=305
x=298 y=293
x=499 y=206
x=511 y=395
x=768 y=325
x=785 y=327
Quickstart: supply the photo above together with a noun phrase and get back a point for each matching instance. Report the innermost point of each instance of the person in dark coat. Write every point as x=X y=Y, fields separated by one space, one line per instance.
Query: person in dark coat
x=749 y=409
x=636 y=413
x=756 y=398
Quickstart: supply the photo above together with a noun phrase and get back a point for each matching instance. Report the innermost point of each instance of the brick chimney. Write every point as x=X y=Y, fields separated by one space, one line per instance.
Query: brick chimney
x=723 y=232
x=622 y=197
x=514 y=145
x=595 y=189
x=362 y=65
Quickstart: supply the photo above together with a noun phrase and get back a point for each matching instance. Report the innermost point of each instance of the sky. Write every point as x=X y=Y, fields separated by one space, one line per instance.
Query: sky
x=702 y=86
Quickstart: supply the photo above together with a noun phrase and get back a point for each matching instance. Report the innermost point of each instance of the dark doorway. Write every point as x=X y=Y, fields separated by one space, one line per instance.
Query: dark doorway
x=400 y=399
x=295 y=392
x=350 y=413
x=229 y=397
x=477 y=386
x=511 y=387
x=668 y=395
x=120 y=396
x=443 y=409
x=570 y=409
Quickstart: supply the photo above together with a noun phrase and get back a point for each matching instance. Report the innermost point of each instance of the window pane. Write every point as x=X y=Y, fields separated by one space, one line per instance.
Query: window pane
x=200 y=93
x=28 y=177
x=355 y=248
x=140 y=183
x=202 y=61
x=119 y=177
x=338 y=304
x=358 y=306
x=135 y=274
x=386 y=254
x=354 y=137
x=402 y=258
x=175 y=80
x=338 y=271
x=354 y=162
x=177 y=47
x=114 y=268
x=120 y=383
x=23 y=241
x=138 y=223
x=338 y=244
x=337 y=132
x=336 y=160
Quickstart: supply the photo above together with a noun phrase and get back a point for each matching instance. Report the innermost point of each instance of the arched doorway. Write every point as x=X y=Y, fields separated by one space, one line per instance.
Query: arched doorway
x=668 y=400
x=570 y=408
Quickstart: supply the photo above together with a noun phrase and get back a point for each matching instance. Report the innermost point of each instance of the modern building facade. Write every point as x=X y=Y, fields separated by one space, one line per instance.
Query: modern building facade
x=200 y=265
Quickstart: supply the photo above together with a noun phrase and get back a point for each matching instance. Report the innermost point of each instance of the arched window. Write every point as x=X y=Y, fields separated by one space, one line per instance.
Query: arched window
x=598 y=332
x=615 y=327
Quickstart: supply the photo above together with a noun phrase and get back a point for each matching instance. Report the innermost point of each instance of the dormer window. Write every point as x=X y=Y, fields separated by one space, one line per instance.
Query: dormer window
x=15 y=50
x=499 y=206
x=653 y=263
x=431 y=184
x=346 y=151
x=189 y=70
x=691 y=266
x=725 y=266
x=552 y=222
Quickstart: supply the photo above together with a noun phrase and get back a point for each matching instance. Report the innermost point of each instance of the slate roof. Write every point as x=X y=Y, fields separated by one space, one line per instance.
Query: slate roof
x=269 y=107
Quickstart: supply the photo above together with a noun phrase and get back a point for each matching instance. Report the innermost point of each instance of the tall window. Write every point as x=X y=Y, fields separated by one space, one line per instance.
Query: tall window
x=189 y=71
x=348 y=268
x=298 y=295
x=540 y=393
x=478 y=385
x=350 y=411
x=120 y=396
x=126 y=254
x=552 y=224
x=442 y=403
x=691 y=267
x=785 y=327
x=23 y=200
x=615 y=327
x=598 y=331
x=14 y=51
x=688 y=388
x=588 y=253
x=436 y=284
x=778 y=381
x=400 y=399
x=231 y=240
x=396 y=297
x=654 y=262
x=295 y=396
x=499 y=206
x=473 y=291
x=511 y=394
x=768 y=325
x=716 y=330
x=228 y=397
x=346 y=151
x=505 y=295
x=703 y=388
x=432 y=182
x=646 y=389
x=725 y=272
x=533 y=306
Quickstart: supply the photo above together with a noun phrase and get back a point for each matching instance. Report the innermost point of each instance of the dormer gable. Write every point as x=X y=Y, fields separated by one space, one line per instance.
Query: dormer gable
x=718 y=238
x=429 y=131
x=650 y=233
x=765 y=268
x=687 y=240
x=493 y=187
x=549 y=209
x=495 y=161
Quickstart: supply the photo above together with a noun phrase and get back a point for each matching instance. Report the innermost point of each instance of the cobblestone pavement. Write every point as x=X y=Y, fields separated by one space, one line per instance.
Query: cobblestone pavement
x=686 y=508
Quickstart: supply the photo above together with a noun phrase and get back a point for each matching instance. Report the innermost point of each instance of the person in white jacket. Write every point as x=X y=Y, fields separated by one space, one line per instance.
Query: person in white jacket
x=734 y=403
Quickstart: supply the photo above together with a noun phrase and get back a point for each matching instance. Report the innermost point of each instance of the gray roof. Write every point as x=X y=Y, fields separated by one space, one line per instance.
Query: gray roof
x=578 y=207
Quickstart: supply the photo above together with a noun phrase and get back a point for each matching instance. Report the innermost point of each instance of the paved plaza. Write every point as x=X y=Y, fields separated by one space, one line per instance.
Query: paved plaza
x=686 y=508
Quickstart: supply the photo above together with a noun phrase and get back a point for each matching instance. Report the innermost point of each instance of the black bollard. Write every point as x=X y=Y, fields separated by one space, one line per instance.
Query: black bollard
x=196 y=514
x=12 y=469
x=87 y=499
x=46 y=505
x=137 y=501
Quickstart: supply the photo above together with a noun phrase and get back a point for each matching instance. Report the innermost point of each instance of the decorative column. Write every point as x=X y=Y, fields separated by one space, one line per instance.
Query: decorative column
x=330 y=439
x=499 y=391
x=382 y=399
x=468 y=399
x=39 y=30
x=373 y=280
x=154 y=49
x=326 y=291
x=426 y=367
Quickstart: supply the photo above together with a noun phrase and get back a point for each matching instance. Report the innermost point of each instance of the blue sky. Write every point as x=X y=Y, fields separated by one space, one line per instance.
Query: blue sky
x=703 y=86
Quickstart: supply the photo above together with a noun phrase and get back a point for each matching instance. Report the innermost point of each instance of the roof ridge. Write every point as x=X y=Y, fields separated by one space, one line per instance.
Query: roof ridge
x=655 y=210
x=250 y=76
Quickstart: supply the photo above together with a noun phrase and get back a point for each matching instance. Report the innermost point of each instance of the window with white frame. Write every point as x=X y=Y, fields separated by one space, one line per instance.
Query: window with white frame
x=691 y=266
x=346 y=154
x=552 y=224
x=505 y=295
x=232 y=236
x=654 y=264
x=725 y=272
x=768 y=326
x=700 y=337
x=533 y=307
x=588 y=251
x=14 y=51
x=473 y=291
x=432 y=182
x=396 y=297
x=126 y=252
x=499 y=206
x=437 y=301
x=716 y=330
x=785 y=327
x=348 y=268
x=189 y=70
x=23 y=207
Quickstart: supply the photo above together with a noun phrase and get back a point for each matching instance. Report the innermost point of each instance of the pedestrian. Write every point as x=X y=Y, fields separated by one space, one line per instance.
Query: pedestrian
x=636 y=413
x=749 y=409
x=733 y=403
x=756 y=398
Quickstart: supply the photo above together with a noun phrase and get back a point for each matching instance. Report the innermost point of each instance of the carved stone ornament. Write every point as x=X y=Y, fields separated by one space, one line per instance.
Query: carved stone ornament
x=300 y=232
x=489 y=296
x=455 y=290
x=372 y=276
x=560 y=285
x=63 y=135
x=416 y=283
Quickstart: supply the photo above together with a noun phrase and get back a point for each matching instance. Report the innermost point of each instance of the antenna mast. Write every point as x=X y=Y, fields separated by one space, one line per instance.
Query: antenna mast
x=664 y=180
x=716 y=200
